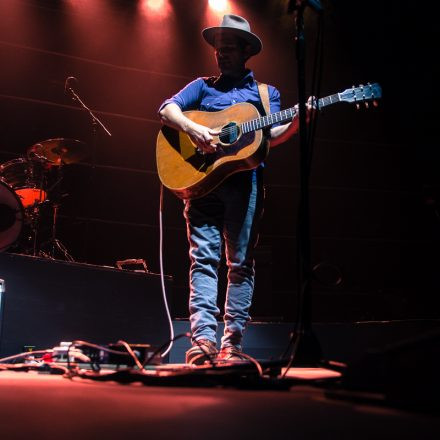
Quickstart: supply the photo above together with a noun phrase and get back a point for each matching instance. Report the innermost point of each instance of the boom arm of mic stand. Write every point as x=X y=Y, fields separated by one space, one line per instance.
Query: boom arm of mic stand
x=95 y=119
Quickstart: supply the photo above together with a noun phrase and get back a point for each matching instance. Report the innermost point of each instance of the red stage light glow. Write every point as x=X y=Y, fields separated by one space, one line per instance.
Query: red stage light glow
x=155 y=4
x=156 y=7
x=76 y=4
x=220 y=5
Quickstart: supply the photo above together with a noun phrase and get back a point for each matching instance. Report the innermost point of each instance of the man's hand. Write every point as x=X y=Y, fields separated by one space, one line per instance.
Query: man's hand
x=282 y=133
x=203 y=137
x=311 y=107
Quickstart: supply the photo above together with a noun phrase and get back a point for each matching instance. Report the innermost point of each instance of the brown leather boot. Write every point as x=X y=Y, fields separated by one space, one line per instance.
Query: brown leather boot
x=203 y=350
x=230 y=354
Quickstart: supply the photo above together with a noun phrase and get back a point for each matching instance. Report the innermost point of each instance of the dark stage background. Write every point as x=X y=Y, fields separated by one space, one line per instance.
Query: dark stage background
x=374 y=185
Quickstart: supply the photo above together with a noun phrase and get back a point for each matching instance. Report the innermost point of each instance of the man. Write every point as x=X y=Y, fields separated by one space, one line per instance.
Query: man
x=231 y=211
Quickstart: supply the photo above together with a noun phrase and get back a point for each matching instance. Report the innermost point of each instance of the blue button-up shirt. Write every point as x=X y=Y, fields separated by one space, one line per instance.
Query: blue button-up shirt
x=213 y=94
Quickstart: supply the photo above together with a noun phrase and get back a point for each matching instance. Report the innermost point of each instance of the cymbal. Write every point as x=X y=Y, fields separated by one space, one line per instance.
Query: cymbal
x=60 y=150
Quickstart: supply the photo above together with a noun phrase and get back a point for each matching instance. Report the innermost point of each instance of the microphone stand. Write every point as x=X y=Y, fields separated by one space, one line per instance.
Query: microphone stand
x=306 y=350
x=96 y=124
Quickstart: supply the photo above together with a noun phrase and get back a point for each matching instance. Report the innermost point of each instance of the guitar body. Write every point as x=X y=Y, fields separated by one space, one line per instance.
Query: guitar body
x=190 y=174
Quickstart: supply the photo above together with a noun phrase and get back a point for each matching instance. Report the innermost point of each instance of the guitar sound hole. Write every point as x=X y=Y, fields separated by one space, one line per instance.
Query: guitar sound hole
x=229 y=133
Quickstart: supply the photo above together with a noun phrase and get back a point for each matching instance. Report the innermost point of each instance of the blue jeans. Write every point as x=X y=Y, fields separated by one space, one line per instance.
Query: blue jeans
x=229 y=213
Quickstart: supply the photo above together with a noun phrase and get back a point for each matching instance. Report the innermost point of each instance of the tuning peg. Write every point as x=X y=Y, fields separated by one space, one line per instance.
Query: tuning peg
x=375 y=103
x=366 y=104
x=357 y=106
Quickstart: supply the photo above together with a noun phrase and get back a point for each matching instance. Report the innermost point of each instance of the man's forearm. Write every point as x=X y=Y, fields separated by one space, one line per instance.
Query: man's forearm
x=282 y=133
x=202 y=136
x=173 y=116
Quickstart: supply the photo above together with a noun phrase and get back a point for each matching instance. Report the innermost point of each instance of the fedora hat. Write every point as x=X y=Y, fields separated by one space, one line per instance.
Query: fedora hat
x=236 y=25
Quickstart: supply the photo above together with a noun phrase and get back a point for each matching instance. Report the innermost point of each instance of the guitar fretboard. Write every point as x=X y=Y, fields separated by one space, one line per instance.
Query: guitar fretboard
x=283 y=115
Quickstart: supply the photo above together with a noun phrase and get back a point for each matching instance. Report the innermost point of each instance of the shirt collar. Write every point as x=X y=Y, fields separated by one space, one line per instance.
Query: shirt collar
x=224 y=82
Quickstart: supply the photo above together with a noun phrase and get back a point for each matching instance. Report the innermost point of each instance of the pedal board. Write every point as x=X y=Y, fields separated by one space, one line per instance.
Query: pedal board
x=106 y=354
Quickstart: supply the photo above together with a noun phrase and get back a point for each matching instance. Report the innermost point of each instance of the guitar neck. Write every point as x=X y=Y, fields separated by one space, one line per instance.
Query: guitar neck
x=284 y=115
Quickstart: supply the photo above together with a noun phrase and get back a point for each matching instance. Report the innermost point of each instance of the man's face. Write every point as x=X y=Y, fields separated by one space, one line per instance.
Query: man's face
x=231 y=54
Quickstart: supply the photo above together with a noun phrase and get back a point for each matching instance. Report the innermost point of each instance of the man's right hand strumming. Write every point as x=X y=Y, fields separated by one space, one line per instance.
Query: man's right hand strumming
x=202 y=136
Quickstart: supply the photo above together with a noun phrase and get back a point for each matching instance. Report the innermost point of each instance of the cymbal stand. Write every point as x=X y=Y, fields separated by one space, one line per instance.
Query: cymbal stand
x=33 y=217
x=35 y=214
x=33 y=220
x=53 y=243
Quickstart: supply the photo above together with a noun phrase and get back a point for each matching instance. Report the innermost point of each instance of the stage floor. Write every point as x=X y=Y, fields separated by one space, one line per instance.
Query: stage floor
x=47 y=406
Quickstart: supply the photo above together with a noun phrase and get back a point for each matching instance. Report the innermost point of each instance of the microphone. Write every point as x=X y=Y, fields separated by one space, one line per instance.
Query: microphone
x=297 y=4
x=69 y=79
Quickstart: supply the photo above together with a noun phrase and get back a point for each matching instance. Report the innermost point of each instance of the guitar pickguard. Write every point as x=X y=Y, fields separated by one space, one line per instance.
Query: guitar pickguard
x=202 y=162
x=232 y=149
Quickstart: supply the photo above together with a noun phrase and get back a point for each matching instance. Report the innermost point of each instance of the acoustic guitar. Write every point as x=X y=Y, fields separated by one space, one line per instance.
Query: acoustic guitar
x=241 y=144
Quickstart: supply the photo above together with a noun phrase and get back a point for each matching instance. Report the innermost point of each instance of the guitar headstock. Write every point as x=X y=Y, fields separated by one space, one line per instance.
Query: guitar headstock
x=356 y=95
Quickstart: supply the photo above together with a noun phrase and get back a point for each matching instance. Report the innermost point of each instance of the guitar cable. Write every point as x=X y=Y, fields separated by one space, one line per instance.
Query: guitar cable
x=162 y=276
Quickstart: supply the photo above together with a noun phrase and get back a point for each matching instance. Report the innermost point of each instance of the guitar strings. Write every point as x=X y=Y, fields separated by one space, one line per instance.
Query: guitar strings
x=229 y=130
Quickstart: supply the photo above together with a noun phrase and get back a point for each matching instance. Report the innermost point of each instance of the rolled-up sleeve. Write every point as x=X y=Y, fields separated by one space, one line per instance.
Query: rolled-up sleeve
x=188 y=98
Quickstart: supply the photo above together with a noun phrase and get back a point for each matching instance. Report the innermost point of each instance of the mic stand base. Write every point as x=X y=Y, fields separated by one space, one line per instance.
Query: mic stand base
x=308 y=351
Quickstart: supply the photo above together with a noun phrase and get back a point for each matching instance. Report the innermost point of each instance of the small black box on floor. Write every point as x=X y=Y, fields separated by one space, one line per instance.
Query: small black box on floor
x=405 y=372
x=49 y=301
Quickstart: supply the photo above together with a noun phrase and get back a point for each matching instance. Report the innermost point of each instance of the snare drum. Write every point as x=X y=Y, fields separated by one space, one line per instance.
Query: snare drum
x=27 y=178
x=11 y=216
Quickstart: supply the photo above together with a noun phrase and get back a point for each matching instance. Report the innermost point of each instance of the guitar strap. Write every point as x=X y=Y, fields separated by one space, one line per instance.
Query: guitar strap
x=263 y=90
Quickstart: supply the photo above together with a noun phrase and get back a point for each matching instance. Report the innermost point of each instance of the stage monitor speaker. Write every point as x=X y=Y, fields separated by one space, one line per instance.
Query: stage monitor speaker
x=406 y=373
x=49 y=301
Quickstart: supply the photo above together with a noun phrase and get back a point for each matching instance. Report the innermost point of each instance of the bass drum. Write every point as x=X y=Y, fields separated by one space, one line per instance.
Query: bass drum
x=11 y=216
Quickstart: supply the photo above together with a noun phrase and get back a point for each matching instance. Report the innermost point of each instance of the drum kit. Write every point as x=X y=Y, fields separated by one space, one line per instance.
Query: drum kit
x=26 y=185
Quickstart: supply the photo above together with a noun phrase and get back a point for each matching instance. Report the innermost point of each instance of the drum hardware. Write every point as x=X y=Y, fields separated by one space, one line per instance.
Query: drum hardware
x=53 y=244
x=26 y=185
x=53 y=247
x=58 y=152
x=32 y=223
x=27 y=177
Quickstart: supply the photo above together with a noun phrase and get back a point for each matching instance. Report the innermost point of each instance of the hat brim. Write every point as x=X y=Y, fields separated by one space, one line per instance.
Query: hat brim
x=210 y=33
